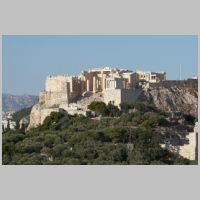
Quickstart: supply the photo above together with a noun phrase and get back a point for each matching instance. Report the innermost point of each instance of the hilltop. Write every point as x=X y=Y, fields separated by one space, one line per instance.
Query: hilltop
x=108 y=116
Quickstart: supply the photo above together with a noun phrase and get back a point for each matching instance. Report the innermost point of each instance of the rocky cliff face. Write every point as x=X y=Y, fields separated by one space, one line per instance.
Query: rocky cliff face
x=40 y=111
x=181 y=96
x=35 y=116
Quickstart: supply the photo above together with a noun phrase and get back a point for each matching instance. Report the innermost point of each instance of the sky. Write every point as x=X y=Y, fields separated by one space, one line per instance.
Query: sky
x=27 y=60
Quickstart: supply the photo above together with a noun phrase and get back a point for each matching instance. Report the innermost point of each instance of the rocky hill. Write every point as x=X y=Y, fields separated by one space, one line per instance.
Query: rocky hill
x=169 y=96
x=17 y=102
x=174 y=96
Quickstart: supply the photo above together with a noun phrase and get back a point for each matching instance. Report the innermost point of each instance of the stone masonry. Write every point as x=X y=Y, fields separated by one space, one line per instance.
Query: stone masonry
x=67 y=92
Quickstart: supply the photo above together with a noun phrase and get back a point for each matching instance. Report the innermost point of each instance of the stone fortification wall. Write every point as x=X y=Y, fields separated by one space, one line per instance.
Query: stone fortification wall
x=48 y=99
x=55 y=98
x=113 y=96
x=60 y=89
x=76 y=89
x=57 y=83
x=130 y=95
x=192 y=83
x=118 y=96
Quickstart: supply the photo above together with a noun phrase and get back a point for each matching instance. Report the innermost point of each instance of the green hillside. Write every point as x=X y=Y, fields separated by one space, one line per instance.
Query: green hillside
x=119 y=137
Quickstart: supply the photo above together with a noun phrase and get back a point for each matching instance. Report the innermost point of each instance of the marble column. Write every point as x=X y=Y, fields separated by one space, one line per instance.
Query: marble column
x=103 y=82
x=94 y=84
x=88 y=85
x=71 y=85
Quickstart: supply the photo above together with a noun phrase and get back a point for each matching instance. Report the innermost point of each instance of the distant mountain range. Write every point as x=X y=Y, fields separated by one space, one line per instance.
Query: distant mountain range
x=17 y=102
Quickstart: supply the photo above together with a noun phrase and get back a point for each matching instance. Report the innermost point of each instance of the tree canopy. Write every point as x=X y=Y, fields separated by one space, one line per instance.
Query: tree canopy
x=130 y=138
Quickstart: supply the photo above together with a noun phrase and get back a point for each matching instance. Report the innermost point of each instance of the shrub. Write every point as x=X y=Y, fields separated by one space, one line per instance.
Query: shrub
x=113 y=110
x=28 y=146
x=99 y=108
x=118 y=134
x=51 y=122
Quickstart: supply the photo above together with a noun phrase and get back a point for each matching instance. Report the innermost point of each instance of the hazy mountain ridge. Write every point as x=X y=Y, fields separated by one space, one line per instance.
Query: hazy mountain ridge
x=17 y=102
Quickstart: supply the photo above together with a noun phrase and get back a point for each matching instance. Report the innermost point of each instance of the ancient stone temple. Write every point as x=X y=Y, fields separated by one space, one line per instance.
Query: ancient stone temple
x=69 y=92
x=151 y=77
x=59 y=89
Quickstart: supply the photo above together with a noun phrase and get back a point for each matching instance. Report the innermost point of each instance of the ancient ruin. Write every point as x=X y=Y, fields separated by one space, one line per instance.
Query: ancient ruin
x=74 y=93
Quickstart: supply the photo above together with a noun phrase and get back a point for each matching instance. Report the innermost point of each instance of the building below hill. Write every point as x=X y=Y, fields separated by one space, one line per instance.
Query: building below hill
x=7 y=121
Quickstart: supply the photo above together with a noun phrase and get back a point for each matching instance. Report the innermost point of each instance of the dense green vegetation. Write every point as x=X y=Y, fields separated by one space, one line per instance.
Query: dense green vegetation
x=17 y=116
x=125 y=138
x=101 y=109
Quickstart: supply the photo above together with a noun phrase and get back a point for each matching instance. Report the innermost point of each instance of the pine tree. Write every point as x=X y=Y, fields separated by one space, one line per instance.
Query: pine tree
x=23 y=127
x=17 y=127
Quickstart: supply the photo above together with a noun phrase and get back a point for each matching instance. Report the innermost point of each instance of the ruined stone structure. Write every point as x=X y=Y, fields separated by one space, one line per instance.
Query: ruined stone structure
x=67 y=92
x=60 y=89
x=72 y=94
x=150 y=77
x=100 y=79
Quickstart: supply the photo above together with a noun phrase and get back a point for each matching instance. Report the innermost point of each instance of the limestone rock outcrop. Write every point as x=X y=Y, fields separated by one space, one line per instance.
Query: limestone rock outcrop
x=35 y=116
x=181 y=139
x=177 y=97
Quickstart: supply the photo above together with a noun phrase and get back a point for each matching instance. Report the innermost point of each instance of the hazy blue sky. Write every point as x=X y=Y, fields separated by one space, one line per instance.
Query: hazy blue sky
x=27 y=60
